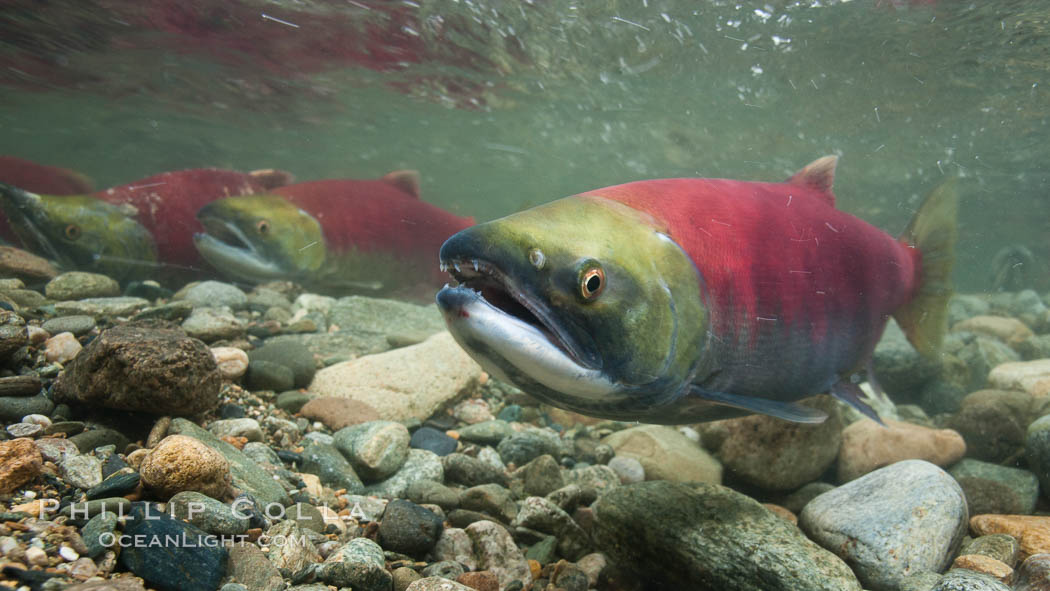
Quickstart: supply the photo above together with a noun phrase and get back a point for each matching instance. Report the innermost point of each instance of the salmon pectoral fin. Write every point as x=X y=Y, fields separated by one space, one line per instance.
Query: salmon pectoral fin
x=933 y=232
x=788 y=411
x=852 y=395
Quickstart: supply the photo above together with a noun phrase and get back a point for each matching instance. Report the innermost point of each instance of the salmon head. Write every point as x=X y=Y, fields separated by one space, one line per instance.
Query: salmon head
x=260 y=238
x=584 y=302
x=81 y=232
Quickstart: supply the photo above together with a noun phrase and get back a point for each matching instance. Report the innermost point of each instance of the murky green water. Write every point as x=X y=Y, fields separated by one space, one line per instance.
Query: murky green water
x=511 y=104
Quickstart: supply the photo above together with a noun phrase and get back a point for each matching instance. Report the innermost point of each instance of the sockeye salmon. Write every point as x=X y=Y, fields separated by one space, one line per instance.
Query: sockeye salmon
x=688 y=300
x=335 y=236
x=86 y=232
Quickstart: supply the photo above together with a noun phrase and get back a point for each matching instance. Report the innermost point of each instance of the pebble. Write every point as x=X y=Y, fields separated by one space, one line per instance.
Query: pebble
x=429 y=492
x=408 y=528
x=24 y=430
x=250 y=567
x=376 y=449
x=904 y=518
x=36 y=556
x=208 y=514
x=62 y=348
x=232 y=362
x=1001 y=547
x=707 y=535
x=358 y=564
x=470 y=471
x=1009 y=330
x=117 y=484
x=492 y=500
x=54 y=449
x=983 y=564
x=496 y=551
x=334 y=470
x=338 y=413
x=213 y=294
x=213 y=324
x=78 y=285
x=433 y=440
x=68 y=554
x=96 y=533
x=142 y=368
x=1033 y=574
x=539 y=514
x=542 y=476
x=994 y=423
x=1037 y=451
x=437 y=584
x=773 y=454
x=95 y=438
x=82 y=471
x=101 y=307
x=991 y=488
x=403 y=383
x=665 y=454
x=1029 y=376
x=480 y=580
x=454 y=545
x=293 y=400
x=967 y=580
x=20 y=463
x=78 y=325
x=472 y=411
x=420 y=465
x=289 y=354
x=867 y=446
x=247 y=428
x=522 y=447
x=1031 y=532
x=13 y=408
x=291 y=549
x=486 y=432
x=193 y=566
x=181 y=463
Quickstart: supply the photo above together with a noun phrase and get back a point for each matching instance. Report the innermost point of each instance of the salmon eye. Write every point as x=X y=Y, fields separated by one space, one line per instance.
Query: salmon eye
x=592 y=282
x=72 y=231
x=536 y=258
x=263 y=226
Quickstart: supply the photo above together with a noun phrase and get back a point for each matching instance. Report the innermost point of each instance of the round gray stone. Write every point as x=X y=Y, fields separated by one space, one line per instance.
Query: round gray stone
x=907 y=517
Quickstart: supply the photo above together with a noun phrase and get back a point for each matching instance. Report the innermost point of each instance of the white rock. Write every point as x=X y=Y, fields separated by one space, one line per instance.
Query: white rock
x=232 y=361
x=62 y=348
x=404 y=383
x=68 y=554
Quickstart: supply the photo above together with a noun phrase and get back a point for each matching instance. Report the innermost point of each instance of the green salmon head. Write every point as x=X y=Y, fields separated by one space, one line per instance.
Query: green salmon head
x=259 y=238
x=80 y=232
x=584 y=302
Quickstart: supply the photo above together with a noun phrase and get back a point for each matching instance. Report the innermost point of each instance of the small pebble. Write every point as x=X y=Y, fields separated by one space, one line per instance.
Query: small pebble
x=24 y=430
x=36 y=556
x=37 y=419
x=68 y=553
x=62 y=348
x=233 y=362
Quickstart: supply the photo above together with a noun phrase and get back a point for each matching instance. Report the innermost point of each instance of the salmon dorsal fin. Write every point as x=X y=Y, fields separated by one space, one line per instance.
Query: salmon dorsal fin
x=818 y=175
x=406 y=180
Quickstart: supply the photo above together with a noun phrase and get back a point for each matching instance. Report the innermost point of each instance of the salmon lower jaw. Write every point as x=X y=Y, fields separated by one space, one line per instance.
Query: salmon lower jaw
x=514 y=350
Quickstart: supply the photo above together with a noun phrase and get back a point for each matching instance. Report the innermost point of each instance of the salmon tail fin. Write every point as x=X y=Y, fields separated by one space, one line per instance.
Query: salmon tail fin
x=933 y=232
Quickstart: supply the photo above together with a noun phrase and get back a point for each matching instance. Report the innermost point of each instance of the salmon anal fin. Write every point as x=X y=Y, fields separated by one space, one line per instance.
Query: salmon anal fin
x=852 y=395
x=788 y=411
x=818 y=175
x=406 y=180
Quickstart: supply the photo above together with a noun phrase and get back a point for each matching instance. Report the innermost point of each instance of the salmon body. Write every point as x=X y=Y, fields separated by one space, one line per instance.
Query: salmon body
x=684 y=300
x=382 y=218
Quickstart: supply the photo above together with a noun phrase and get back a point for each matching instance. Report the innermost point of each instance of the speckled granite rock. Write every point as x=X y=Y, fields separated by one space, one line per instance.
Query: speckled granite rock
x=904 y=518
x=706 y=536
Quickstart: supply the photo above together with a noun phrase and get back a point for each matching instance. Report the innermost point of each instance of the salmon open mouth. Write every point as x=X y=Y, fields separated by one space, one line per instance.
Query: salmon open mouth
x=498 y=290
